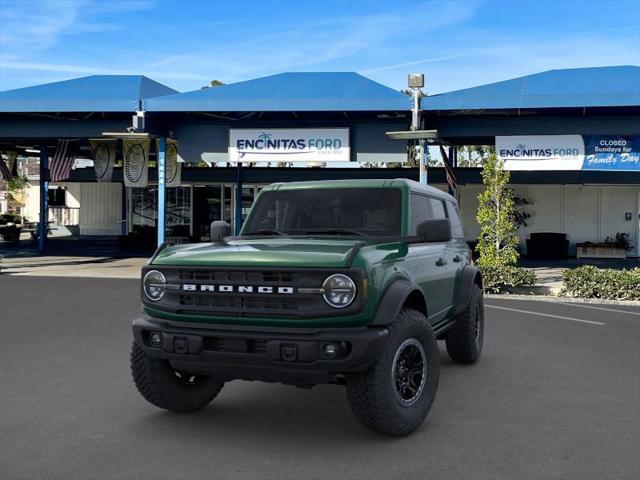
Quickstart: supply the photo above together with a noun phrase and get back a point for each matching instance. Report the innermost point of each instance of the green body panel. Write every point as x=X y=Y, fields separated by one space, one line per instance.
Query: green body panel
x=265 y=252
x=384 y=262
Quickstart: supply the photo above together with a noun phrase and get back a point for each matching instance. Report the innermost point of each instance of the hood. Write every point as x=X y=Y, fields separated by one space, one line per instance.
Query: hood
x=262 y=252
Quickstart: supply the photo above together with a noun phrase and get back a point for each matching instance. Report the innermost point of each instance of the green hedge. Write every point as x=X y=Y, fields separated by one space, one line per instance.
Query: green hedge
x=498 y=278
x=592 y=282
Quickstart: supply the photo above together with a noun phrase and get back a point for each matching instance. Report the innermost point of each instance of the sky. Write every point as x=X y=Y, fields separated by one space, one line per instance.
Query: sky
x=185 y=44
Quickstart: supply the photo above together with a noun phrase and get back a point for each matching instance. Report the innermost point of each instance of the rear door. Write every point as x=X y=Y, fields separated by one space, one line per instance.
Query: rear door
x=460 y=249
x=427 y=262
x=450 y=254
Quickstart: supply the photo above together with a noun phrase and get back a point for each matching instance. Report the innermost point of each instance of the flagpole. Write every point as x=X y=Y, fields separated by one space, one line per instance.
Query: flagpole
x=44 y=199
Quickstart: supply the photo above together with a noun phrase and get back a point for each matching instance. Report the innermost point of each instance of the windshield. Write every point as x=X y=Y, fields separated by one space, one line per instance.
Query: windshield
x=327 y=211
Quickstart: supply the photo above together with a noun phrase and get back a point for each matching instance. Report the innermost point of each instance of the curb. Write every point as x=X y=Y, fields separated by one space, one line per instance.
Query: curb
x=533 y=290
x=556 y=299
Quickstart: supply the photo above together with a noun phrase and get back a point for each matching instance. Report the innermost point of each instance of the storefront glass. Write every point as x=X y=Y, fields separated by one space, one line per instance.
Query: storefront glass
x=144 y=212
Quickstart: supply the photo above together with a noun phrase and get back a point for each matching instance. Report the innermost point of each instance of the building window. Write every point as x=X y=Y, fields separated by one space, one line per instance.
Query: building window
x=57 y=197
x=144 y=207
x=178 y=218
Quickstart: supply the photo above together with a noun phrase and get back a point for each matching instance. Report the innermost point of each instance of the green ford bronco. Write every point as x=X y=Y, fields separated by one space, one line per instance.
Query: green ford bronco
x=343 y=282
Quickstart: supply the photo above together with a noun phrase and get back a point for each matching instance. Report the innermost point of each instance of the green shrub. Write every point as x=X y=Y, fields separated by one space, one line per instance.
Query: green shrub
x=592 y=282
x=496 y=278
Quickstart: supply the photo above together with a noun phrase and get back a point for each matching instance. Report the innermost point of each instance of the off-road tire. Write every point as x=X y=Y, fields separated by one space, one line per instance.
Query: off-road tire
x=372 y=394
x=463 y=345
x=162 y=386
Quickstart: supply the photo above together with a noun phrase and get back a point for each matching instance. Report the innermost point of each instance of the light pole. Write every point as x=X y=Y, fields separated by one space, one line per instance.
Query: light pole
x=416 y=83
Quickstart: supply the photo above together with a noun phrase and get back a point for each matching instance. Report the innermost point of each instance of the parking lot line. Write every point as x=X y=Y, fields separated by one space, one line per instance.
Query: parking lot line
x=530 y=312
x=571 y=304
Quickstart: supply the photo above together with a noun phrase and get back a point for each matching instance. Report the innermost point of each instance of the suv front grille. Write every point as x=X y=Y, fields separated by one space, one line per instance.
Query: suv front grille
x=210 y=301
x=240 y=276
x=239 y=305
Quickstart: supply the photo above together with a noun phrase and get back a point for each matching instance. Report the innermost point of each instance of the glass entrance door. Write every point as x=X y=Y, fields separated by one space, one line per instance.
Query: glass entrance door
x=218 y=202
x=249 y=194
x=208 y=206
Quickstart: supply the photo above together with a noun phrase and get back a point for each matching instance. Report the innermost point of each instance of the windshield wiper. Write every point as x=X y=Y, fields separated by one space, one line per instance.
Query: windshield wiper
x=336 y=231
x=267 y=231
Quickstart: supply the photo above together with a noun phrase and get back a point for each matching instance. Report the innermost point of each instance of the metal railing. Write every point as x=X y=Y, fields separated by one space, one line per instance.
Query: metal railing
x=64 y=215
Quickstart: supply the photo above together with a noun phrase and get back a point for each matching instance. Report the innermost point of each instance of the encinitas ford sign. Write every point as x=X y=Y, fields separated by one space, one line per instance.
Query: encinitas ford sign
x=541 y=152
x=289 y=145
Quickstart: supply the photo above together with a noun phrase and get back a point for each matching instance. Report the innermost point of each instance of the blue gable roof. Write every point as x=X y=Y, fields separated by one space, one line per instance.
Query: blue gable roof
x=307 y=91
x=576 y=87
x=96 y=93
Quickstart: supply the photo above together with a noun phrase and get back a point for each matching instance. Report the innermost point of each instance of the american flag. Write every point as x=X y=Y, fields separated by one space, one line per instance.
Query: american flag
x=450 y=174
x=4 y=170
x=62 y=160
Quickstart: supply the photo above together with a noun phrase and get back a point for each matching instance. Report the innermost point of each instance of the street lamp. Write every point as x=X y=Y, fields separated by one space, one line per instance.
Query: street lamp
x=416 y=83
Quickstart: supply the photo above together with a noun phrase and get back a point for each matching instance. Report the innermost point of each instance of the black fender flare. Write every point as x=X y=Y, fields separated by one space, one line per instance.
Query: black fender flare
x=467 y=280
x=393 y=299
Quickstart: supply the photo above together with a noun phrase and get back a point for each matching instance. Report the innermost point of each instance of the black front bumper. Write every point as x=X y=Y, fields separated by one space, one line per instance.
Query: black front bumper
x=287 y=355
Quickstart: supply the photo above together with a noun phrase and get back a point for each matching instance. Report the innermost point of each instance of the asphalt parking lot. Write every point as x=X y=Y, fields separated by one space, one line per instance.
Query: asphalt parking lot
x=556 y=395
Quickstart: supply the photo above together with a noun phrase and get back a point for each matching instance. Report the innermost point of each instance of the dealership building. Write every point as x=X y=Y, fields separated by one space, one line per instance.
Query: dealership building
x=571 y=139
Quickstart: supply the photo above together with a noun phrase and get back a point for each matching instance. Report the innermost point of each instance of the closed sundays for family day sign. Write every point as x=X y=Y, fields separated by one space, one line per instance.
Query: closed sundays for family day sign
x=289 y=145
x=569 y=152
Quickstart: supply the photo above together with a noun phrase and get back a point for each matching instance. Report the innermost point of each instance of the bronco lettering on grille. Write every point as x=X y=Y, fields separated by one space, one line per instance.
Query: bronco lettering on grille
x=192 y=287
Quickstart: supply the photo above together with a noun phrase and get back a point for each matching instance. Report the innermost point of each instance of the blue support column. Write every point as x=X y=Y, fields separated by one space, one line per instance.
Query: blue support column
x=424 y=160
x=238 y=197
x=162 y=190
x=44 y=199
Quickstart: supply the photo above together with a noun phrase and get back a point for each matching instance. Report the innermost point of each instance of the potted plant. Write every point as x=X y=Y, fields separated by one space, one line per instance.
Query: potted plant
x=10 y=226
x=617 y=247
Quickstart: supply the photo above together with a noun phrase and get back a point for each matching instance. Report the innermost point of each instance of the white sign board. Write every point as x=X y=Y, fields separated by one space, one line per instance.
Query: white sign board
x=289 y=145
x=541 y=152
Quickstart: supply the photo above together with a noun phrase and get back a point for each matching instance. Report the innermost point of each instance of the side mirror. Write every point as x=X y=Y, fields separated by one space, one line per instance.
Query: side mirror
x=437 y=230
x=219 y=230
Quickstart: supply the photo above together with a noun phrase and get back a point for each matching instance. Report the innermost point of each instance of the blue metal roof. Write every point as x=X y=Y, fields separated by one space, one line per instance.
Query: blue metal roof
x=577 y=87
x=96 y=93
x=299 y=92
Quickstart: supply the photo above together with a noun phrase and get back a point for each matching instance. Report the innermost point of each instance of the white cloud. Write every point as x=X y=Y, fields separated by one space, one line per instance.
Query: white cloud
x=499 y=57
x=343 y=40
x=436 y=37
x=31 y=27
x=408 y=64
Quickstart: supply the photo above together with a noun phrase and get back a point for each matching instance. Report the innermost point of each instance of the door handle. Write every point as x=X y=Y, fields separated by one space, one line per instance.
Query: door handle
x=441 y=262
x=457 y=258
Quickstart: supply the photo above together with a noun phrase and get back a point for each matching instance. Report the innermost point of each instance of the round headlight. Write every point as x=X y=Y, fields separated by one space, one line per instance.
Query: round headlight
x=339 y=290
x=154 y=285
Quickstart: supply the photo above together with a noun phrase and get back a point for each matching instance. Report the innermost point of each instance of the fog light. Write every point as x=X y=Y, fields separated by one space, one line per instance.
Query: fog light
x=330 y=350
x=155 y=339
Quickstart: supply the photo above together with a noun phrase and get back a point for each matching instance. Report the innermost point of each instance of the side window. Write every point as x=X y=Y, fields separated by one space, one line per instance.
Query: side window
x=420 y=211
x=437 y=207
x=456 y=224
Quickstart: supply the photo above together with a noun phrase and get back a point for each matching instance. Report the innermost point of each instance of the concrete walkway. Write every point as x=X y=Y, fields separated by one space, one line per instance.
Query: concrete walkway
x=59 y=266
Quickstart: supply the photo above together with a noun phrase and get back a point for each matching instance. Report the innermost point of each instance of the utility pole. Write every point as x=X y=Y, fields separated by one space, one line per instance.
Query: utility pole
x=416 y=83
